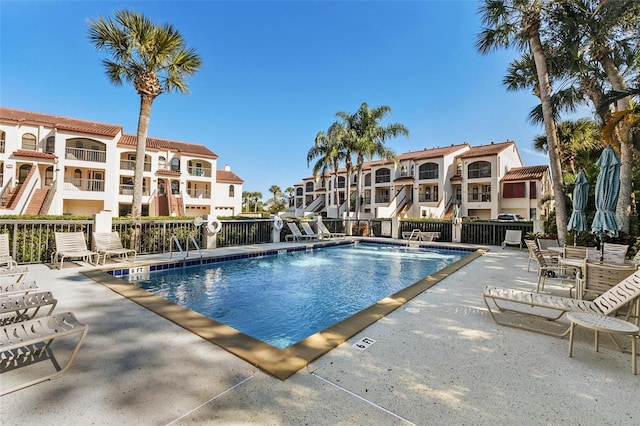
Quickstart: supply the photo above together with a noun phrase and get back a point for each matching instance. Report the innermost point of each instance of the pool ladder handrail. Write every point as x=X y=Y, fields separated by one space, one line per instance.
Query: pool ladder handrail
x=174 y=239
x=415 y=232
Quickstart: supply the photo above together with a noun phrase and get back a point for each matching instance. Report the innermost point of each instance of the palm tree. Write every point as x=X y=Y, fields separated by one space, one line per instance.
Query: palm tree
x=329 y=149
x=365 y=136
x=256 y=197
x=152 y=57
x=517 y=23
x=276 y=191
x=289 y=193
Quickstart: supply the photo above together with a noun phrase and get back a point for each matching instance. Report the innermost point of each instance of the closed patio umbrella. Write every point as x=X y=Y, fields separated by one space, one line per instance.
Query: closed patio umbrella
x=578 y=222
x=607 y=189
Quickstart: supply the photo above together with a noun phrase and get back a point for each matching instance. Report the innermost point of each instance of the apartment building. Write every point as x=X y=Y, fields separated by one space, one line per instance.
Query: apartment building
x=483 y=181
x=59 y=165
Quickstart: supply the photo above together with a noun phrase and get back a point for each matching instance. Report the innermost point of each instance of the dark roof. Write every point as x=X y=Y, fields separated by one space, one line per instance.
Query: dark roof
x=525 y=173
x=227 y=176
x=15 y=116
x=155 y=144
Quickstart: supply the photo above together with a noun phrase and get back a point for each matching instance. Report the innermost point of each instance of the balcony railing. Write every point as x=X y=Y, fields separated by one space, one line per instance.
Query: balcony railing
x=198 y=193
x=480 y=198
x=83 y=154
x=75 y=184
x=126 y=189
x=383 y=179
x=131 y=165
x=428 y=198
x=382 y=198
x=199 y=171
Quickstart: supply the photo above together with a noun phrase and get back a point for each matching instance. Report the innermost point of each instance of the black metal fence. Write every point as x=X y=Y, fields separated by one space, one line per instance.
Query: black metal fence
x=443 y=227
x=491 y=233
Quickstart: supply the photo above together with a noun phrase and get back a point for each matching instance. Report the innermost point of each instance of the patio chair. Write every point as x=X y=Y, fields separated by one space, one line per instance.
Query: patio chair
x=614 y=252
x=5 y=253
x=322 y=228
x=308 y=231
x=512 y=237
x=546 y=269
x=544 y=244
x=20 y=287
x=575 y=252
x=625 y=293
x=599 y=277
x=72 y=245
x=28 y=342
x=296 y=235
x=14 y=309
x=109 y=244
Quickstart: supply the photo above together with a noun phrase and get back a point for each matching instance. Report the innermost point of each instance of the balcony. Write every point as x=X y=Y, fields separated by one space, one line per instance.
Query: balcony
x=479 y=198
x=82 y=154
x=382 y=198
x=198 y=193
x=131 y=165
x=74 y=184
x=199 y=171
x=126 y=189
x=428 y=198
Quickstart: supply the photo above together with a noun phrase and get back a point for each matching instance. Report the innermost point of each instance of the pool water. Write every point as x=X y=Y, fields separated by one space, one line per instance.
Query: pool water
x=282 y=299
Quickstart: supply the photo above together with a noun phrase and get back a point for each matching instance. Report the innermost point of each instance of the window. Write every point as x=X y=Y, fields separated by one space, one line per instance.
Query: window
x=474 y=193
x=383 y=175
x=175 y=164
x=299 y=192
x=513 y=190
x=232 y=191
x=308 y=187
x=435 y=193
x=48 y=176
x=162 y=163
x=479 y=169
x=428 y=171
x=23 y=172
x=50 y=147
x=341 y=183
x=532 y=192
x=459 y=194
x=175 y=187
x=2 y=141
x=29 y=142
x=367 y=179
x=486 y=192
x=403 y=171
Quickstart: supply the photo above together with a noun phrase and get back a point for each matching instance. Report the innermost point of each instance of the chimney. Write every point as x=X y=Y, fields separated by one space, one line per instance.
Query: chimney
x=227 y=168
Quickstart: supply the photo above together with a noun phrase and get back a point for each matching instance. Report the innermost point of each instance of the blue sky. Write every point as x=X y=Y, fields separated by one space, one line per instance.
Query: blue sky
x=275 y=73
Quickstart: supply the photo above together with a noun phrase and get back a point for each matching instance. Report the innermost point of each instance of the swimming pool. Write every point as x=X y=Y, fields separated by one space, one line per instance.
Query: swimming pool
x=283 y=299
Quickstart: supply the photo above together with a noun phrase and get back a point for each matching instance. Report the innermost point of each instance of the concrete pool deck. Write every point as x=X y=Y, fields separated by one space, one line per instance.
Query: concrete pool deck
x=438 y=359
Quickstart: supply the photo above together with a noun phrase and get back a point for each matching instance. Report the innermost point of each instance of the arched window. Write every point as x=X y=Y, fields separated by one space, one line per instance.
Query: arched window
x=367 y=179
x=161 y=187
x=23 y=172
x=29 y=142
x=48 y=176
x=162 y=163
x=299 y=192
x=3 y=137
x=175 y=164
x=479 y=169
x=340 y=181
x=232 y=191
x=428 y=171
x=50 y=147
x=77 y=174
x=308 y=187
x=175 y=187
x=383 y=175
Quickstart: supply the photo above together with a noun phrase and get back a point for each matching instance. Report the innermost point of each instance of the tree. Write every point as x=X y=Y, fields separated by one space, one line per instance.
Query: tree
x=290 y=193
x=152 y=57
x=365 y=137
x=517 y=23
x=276 y=191
x=256 y=197
x=330 y=150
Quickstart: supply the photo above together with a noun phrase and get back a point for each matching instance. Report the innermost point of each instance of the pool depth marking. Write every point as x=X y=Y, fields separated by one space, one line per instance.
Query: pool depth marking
x=280 y=363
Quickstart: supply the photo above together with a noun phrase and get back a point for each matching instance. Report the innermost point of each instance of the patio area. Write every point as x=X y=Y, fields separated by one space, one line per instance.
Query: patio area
x=442 y=361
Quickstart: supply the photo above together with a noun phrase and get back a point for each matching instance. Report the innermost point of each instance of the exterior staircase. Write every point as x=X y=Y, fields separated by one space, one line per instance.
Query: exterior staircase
x=36 y=202
x=175 y=205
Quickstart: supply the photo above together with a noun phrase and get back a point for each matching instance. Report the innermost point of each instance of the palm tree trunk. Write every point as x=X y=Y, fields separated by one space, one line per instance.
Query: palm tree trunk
x=138 y=173
x=623 y=209
x=550 y=130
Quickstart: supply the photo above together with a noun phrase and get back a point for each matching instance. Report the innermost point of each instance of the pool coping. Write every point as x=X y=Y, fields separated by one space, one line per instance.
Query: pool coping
x=279 y=363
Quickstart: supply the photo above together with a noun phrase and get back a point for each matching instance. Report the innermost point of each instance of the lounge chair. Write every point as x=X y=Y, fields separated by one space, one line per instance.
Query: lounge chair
x=72 y=245
x=109 y=244
x=614 y=252
x=5 y=253
x=308 y=231
x=296 y=235
x=546 y=269
x=25 y=307
x=322 y=228
x=20 y=287
x=550 y=307
x=28 y=342
x=513 y=238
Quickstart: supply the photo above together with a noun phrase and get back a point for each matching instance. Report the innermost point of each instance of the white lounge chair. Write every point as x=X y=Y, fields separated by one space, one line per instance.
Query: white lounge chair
x=322 y=228
x=308 y=231
x=109 y=244
x=296 y=235
x=72 y=245
x=20 y=287
x=512 y=237
x=25 y=307
x=28 y=342
x=5 y=253
x=549 y=307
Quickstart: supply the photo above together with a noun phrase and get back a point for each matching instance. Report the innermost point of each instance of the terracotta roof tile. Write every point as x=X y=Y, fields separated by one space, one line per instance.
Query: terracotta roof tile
x=486 y=150
x=155 y=144
x=525 y=173
x=227 y=176
x=34 y=154
x=436 y=152
x=15 y=116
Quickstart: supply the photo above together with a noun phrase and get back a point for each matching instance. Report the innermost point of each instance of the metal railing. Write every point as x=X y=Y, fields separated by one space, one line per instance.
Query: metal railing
x=76 y=184
x=126 y=189
x=199 y=171
x=131 y=165
x=198 y=193
x=83 y=154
